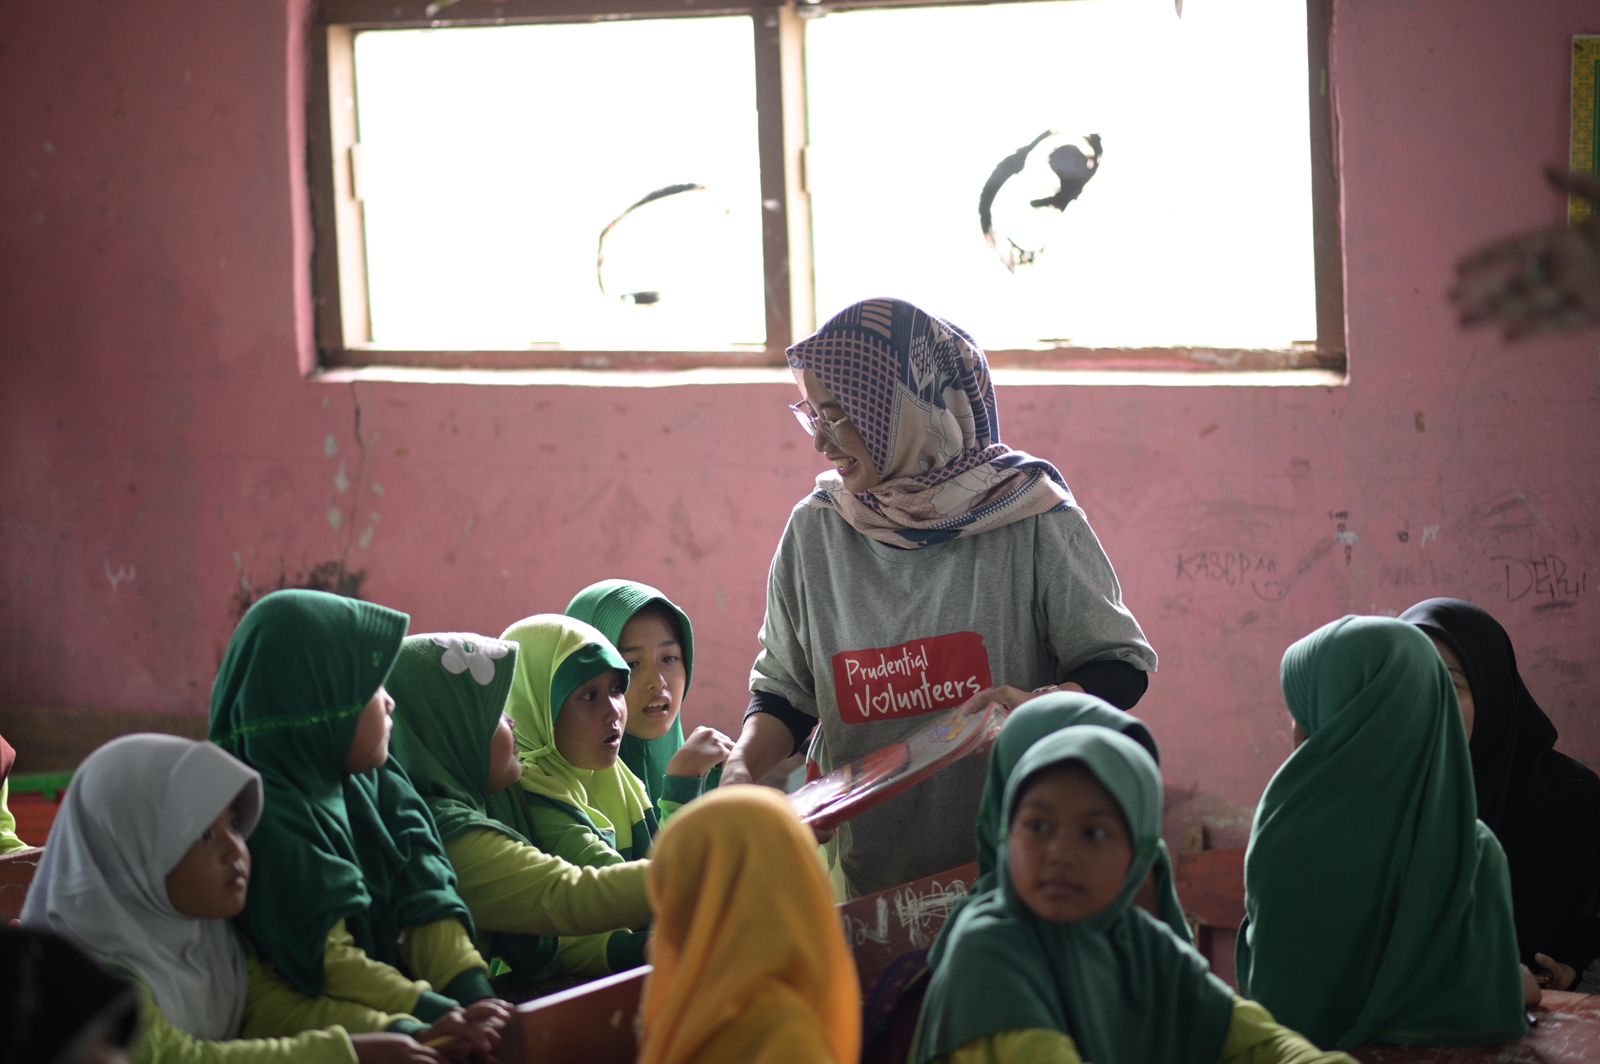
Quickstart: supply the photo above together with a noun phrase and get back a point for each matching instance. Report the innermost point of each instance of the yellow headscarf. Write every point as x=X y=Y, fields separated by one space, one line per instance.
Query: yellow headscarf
x=750 y=958
x=613 y=798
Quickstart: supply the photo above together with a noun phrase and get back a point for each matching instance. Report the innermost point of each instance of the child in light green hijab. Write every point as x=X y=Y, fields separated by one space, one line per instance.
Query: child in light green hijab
x=656 y=639
x=583 y=804
x=1377 y=905
x=1058 y=965
x=452 y=736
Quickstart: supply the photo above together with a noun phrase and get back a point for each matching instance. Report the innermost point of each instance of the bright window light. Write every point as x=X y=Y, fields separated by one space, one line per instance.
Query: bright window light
x=492 y=160
x=1194 y=230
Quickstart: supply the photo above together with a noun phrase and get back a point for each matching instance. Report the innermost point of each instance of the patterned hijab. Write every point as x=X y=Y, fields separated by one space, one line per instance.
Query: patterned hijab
x=609 y=605
x=299 y=670
x=135 y=807
x=917 y=388
x=557 y=655
x=1027 y=724
x=1542 y=805
x=750 y=961
x=1377 y=905
x=1100 y=980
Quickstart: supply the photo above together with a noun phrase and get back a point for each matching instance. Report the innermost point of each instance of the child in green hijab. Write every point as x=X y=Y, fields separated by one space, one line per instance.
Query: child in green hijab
x=453 y=738
x=1377 y=905
x=656 y=640
x=351 y=881
x=1058 y=965
x=1024 y=726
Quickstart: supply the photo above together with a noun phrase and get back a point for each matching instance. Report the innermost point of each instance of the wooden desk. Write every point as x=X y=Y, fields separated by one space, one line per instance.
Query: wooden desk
x=16 y=874
x=1567 y=1031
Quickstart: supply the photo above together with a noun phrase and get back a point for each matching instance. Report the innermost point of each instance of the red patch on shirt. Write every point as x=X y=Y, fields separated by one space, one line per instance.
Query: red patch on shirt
x=910 y=679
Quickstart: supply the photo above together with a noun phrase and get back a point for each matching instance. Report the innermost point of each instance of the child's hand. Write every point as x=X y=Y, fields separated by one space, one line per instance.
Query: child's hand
x=459 y=1038
x=1552 y=974
x=703 y=748
x=1530 y=988
x=392 y=1049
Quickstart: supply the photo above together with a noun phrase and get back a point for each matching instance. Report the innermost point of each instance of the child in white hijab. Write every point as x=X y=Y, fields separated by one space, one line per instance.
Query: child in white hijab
x=146 y=865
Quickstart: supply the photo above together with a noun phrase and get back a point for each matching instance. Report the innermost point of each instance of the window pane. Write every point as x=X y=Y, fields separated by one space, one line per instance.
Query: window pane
x=1194 y=229
x=492 y=160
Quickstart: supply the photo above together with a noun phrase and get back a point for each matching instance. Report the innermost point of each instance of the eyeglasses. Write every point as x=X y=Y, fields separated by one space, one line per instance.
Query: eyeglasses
x=814 y=423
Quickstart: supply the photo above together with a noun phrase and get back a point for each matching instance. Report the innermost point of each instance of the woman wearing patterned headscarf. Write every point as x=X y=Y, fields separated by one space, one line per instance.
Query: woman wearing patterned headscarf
x=932 y=564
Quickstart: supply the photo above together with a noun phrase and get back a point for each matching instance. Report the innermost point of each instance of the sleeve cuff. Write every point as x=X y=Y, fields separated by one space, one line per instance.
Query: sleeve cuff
x=797 y=721
x=471 y=985
x=680 y=789
x=407 y=1026
x=431 y=1006
x=625 y=950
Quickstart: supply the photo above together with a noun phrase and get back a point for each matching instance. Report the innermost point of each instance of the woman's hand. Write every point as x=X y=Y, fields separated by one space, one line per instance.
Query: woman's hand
x=1553 y=975
x=1530 y=988
x=392 y=1049
x=704 y=748
x=1012 y=697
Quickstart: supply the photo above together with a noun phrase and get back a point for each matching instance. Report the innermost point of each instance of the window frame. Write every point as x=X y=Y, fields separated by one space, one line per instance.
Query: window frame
x=339 y=277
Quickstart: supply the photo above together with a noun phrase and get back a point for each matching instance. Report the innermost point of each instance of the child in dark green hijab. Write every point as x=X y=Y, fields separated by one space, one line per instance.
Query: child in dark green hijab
x=1377 y=905
x=458 y=746
x=656 y=640
x=351 y=881
x=1027 y=724
x=1058 y=965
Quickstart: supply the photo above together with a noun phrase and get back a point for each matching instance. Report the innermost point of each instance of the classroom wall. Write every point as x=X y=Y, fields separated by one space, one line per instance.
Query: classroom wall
x=163 y=459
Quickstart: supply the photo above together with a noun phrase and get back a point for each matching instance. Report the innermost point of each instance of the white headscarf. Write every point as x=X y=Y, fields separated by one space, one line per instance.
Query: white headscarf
x=134 y=808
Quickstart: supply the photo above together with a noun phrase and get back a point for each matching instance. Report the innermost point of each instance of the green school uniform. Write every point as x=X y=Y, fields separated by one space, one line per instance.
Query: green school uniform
x=450 y=692
x=1026 y=725
x=1119 y=983
x=588 y=817
x=609 y=605
x=1378 y=907
x=331 y=847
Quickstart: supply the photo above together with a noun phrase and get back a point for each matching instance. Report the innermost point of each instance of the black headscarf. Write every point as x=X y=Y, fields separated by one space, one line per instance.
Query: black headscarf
x=1543 y=806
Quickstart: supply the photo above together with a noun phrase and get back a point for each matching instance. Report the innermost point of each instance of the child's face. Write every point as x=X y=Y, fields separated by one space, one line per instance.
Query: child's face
x=505 y=768
x=842 y=446
x=370 y=748
x=649 y=644
x=209 y=883
x=589 y=729
x=1458 y=676
x=1070 y=849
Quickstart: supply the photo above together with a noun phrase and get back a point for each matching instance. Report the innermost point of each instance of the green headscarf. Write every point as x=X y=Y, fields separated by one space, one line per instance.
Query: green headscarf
x=299 y=670
x=609 y=605
x=559 y=654
x=450 y=691
x=1377 y=906
x=1119 y=983
x=1026 y=725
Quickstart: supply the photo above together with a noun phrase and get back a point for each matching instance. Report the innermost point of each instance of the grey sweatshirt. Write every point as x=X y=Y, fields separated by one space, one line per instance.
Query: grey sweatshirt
x=869 y=639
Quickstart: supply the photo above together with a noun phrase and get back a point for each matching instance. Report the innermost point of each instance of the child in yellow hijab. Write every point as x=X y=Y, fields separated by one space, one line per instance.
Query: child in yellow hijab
x=582 y=803
x=751 y=963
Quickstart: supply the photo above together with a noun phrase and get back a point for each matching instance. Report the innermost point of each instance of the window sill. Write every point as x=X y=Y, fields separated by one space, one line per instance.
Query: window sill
x=708 y=376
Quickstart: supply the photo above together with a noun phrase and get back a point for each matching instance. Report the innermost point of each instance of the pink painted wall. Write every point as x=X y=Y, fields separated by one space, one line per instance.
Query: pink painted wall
x=160 y=451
